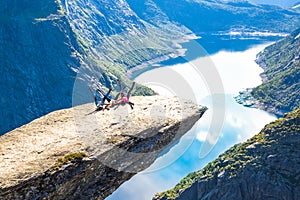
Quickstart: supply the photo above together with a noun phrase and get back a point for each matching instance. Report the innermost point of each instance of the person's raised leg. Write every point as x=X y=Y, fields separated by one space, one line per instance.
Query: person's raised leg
x=130 y=90
x=131 y=104
x=121 y=90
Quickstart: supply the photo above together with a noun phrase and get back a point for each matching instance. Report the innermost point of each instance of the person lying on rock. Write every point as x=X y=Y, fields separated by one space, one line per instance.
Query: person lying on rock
x=124 y=99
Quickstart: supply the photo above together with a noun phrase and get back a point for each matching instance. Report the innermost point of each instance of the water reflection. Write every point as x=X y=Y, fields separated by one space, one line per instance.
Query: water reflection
x=240 y=124
x=238 y=71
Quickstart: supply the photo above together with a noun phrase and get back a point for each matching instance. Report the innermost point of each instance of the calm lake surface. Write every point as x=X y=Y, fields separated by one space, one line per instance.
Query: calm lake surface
x=233 y=60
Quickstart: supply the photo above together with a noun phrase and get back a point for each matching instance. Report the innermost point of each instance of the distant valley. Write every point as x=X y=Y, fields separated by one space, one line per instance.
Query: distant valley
x=52 y=51
x=45 y=46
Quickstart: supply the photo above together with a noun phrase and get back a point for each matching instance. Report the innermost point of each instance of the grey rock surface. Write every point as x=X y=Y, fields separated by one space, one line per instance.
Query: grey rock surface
x=116 y=143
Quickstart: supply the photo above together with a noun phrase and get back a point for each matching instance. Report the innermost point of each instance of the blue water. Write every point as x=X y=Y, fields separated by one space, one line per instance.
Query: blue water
x=204 y=142
x=216 y=43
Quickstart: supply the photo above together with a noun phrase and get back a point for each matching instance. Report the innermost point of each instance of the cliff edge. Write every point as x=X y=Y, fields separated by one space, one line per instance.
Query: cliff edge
x=70 y=155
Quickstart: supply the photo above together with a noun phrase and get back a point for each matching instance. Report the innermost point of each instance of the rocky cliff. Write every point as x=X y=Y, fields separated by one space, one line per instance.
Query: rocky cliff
x=45 y=45
x=266 y=166
x=70 y=155
x=281 y=63
x=280 y=91
x=36 y=60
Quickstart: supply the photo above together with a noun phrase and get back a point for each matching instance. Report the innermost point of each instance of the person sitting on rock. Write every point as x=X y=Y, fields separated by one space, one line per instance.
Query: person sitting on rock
x=100 y=97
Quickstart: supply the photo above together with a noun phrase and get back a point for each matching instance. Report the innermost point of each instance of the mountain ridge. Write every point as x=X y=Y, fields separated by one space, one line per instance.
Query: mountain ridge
x=213 y=16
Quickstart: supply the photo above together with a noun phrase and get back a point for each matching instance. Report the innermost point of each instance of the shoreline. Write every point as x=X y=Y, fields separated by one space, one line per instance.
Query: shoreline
x=246 y=99
x=179 y=51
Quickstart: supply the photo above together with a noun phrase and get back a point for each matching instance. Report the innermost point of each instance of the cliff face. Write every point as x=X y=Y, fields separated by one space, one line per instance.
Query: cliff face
x=68 y=155
x=36 y=61
x=45 y=45
x=280 y=91
x=266 y=166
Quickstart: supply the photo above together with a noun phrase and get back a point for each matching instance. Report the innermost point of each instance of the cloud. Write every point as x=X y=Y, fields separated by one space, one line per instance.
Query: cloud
x=239 y=137
x=201 y=136
x=234 y=121
x=211 y=138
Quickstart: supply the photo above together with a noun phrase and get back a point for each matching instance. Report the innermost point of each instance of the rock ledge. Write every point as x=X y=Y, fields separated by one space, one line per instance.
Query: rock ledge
x=68 y=155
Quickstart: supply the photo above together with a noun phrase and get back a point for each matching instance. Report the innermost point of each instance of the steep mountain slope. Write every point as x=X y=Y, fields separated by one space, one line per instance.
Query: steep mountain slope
x=280 y=91
x=36 y=57
x=266 y=166
x=115 y=35
x=45 y=45
x=217 y=15
x=149 y=11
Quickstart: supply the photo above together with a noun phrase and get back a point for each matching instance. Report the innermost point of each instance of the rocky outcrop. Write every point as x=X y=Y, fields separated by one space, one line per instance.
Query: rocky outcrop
x=70 y=155
x=266 y=166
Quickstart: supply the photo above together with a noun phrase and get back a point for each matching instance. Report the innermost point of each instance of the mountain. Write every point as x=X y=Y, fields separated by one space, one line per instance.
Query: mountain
x=48 y=49
x=46 y=46
x=266 y=166
x=34 y=54
x=115 y=35
x=282 y=3
x=217 y=15
x=149 y=10
x=281 y=64
x=70 y=155
x=280 y=91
